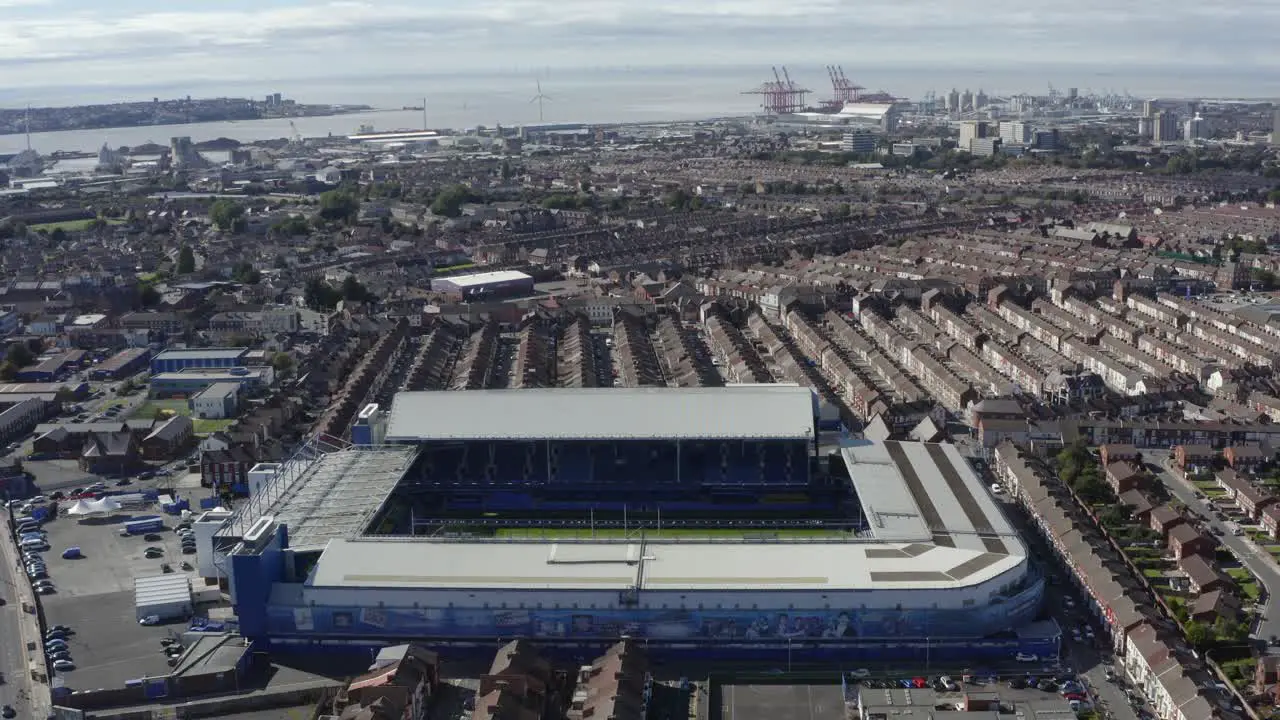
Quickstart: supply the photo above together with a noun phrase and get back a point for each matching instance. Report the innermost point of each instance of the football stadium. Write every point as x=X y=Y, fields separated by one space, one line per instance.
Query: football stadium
x=708 y=520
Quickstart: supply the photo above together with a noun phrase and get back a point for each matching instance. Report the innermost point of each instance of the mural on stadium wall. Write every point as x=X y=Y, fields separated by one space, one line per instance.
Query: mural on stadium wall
x=673 y=624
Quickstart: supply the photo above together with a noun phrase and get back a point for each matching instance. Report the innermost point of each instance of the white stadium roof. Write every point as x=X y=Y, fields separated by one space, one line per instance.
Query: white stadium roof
x=407 y=563
x=743 y=412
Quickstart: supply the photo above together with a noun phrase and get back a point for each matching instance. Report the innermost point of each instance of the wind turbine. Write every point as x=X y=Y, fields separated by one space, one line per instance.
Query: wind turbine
x=539 y=98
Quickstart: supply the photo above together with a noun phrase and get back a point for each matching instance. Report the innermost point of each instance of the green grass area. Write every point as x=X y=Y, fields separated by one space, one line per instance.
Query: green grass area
x=153 y=406
x=587 y=533
x=72 y=225
x=179 y=407
x=1153 y=573
x=1248 y=586
x=205 y=426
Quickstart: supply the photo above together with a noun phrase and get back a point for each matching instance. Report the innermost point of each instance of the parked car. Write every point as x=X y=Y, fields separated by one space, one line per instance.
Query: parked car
x=149 y=620
x=1025 y=657
x=64 y=665
x=152 y=537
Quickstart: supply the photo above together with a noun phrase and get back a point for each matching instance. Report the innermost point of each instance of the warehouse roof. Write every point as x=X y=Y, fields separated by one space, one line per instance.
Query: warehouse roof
x=201 y=353
x=486 y=278
x=409 y=563
x=161 y=590
x=743 y=412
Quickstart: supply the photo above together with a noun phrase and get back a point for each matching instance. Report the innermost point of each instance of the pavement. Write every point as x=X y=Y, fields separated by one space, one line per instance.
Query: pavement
x=31 y=698
x=95 y=598
x=1255 y=559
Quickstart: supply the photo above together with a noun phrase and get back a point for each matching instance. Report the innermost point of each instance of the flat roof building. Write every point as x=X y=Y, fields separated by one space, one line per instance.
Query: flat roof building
x=498 y=283
x=175 y=360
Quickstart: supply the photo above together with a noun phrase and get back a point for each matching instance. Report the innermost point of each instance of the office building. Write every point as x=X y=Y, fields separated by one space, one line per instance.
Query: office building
x=966 y=100
x=1145 y=127
x=1015 y=133
x=1045 y=139
x=953 y=100
x=1148 y=108
x=980 y=100
x=985 y=147
x=971 y=130
x=859 y=141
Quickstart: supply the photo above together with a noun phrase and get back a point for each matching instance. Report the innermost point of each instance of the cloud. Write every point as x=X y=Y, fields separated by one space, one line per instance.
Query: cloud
x=87 y=41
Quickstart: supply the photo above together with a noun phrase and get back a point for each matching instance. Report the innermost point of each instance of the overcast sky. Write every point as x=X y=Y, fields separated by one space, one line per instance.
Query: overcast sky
x=147 y=43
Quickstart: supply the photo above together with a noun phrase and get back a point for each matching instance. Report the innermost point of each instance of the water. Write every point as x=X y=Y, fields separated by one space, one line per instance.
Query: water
x=596 y=95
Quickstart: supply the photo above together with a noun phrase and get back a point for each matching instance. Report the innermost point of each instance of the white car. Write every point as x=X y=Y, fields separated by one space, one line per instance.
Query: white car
x=63 y=665
x=1025 y=657
x=149 y=620
x=860 y=673
x=996 y=489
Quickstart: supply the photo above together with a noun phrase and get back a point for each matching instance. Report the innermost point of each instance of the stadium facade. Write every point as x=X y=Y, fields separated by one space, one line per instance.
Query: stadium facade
x=933 y=568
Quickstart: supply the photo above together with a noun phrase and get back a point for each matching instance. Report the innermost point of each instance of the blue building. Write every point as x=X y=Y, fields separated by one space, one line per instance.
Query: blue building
x=322 y=553
x=193 y=381
x=177 y=360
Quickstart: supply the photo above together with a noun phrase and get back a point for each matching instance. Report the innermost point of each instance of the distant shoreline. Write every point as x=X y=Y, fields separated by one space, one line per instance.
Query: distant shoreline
x=336 y=112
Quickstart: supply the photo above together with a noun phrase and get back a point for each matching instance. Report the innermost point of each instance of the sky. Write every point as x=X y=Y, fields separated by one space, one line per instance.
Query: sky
x=137 y=45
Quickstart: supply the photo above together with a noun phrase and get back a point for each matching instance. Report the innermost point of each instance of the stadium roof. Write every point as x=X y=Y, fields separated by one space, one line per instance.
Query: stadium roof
x=331 y=496
x=744 y=412
x=407 y=563
x=486 y=278
x=926 y=492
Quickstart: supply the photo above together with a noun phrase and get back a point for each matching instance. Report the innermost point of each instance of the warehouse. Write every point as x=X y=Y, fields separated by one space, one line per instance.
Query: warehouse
x=177 y=360
x=164 y=597
x=193 y=381
x=499 y=283
x=121 y=365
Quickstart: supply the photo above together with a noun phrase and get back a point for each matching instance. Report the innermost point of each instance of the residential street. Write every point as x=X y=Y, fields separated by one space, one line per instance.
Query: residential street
x=1257 y=560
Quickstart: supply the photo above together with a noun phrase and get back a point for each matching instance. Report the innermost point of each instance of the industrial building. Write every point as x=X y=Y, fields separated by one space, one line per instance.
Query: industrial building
x=121 y=365
x=195 y=380
x=177 y=360
x=329 y=551
x=496 y=284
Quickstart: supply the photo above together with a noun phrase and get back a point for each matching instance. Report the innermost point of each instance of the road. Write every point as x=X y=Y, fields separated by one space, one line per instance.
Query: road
x=1257 y=560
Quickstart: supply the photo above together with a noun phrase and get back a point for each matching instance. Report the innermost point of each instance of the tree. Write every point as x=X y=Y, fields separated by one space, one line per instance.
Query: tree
x=282 y=363
x=244 y=272
x=353 y=291
x=148 y=296
x=64 y=395
x=19 y=355
x=291 y=226
x=339 y=206
x=319 y=295
x=450 y=201
x=8 y=371
x=1198 y=635
x=186 y=261
x=227 y=215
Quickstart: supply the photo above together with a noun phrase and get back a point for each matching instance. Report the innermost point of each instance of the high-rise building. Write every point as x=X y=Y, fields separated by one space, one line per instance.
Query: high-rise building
x=1144 y=128
x=1073 y=93
x=970 y=131
x=966 y=100
x=953 y=100
x=1164 y=127
x=1015 y=133
x=1194 y=129
x=1148 y=108
x=980 y=100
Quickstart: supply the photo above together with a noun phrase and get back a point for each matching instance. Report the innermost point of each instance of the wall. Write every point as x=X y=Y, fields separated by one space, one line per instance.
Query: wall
x=846 y=622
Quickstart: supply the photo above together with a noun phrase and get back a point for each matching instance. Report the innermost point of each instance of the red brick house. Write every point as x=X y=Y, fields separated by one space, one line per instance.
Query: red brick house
x=1252 y=500
x=1202 y=574
x=1244 y=458
x=169 y=440
x=1141 y=505
x=1185 y=541
x=1185 y=456
x=1270 y=519
x=1124 y=476
x=1164 y=519
x=1118 y=453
